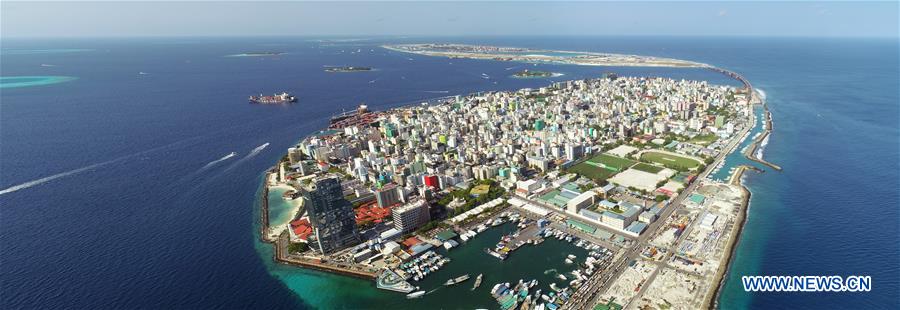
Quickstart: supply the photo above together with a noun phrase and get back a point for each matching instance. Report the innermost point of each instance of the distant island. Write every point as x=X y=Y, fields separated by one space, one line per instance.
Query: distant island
x=257 y=54
x=518 y=54
x=347 y=69
x=525 y=74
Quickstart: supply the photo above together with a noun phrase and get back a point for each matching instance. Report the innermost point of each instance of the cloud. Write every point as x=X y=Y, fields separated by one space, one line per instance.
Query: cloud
x=723 y=12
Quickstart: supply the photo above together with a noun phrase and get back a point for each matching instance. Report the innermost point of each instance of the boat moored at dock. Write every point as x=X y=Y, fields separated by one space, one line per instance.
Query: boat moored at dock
x=456 y=280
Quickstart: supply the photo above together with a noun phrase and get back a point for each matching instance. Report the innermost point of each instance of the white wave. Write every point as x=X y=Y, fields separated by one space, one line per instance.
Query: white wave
x=257 y=150
x=85 y=168
x=52 y=177
x=761 y=93
x=224 y=158
x=762 y=146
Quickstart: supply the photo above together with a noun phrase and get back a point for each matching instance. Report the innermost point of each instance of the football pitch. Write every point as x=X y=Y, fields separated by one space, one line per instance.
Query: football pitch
x=670 y=161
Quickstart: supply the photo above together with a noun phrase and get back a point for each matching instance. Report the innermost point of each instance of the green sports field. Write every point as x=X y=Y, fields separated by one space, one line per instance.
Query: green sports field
x=670 y=161
x=647 y=168
x=609 y=161
x=602 y=166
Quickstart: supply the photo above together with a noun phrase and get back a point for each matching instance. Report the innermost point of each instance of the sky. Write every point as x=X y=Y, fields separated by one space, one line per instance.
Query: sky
x=233 y=18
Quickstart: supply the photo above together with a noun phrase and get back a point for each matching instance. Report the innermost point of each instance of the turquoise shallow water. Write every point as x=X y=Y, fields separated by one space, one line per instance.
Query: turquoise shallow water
x=28 y=81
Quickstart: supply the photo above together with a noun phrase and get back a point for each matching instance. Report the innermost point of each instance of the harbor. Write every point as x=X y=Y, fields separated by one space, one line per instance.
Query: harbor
x=545 y=263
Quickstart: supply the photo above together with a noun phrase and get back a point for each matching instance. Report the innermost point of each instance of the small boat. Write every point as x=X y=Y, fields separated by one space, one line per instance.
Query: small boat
x=477 y=281
x=568 y=261
x=456 y=280
x=561 y=277
x=415 y=295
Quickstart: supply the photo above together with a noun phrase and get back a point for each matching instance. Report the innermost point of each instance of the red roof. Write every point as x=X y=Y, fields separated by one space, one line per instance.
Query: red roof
x=301 y=228
x=371 y=212
x=411 y=241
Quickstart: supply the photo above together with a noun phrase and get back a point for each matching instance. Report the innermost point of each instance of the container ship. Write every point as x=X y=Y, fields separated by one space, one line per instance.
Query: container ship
x=273 y=99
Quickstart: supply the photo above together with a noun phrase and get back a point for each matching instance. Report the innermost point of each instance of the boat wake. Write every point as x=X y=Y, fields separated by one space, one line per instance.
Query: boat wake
x=436 y=91
x=224 y=158
x=256 y=151
x=86 y=168
x=53 y=177
x=549 y=271
x=252 y=153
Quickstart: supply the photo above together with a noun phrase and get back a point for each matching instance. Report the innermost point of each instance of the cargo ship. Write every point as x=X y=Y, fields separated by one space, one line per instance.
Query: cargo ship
x=273 y=99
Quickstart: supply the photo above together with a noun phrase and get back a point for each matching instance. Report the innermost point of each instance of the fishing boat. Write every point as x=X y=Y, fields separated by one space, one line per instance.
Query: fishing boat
x=477 y=281
x=415 y=294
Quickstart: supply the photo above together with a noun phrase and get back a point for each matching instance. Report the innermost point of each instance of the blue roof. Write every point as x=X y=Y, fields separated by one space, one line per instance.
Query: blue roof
x=590 y=214
x=636 y=227
x=568 y=194
x=629 y=211
x=613 y=215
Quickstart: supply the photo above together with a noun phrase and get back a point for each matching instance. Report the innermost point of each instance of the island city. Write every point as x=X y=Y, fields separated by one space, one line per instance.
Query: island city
x=617 y=176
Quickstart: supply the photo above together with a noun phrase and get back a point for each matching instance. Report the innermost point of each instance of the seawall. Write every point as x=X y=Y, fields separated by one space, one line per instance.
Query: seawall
x=711 y=300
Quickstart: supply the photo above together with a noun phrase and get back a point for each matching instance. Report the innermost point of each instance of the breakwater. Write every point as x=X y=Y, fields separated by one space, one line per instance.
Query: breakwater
x=282 y=255
x=750 y=152
x=264 y=213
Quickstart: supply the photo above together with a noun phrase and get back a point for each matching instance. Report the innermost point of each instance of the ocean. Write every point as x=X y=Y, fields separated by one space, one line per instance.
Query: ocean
x=115 y=189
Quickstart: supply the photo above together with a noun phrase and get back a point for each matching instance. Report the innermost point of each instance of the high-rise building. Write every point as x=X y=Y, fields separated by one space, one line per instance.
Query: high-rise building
x=387 y=195
x=330 y=214
x=432 y=181
x=411 y=215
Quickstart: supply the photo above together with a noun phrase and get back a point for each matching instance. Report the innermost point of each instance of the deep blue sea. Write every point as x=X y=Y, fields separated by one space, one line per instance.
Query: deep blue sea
x=107 y=203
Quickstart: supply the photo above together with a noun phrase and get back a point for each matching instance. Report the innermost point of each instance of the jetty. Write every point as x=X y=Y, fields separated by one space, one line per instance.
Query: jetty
x=750 y=152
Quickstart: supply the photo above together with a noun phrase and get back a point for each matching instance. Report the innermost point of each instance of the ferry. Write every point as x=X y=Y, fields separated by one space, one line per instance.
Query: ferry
x=274 y=99
x=456 y=280
x=415 y=294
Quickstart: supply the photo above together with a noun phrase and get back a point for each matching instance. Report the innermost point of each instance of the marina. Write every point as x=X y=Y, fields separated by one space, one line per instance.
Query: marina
x=534 y=266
